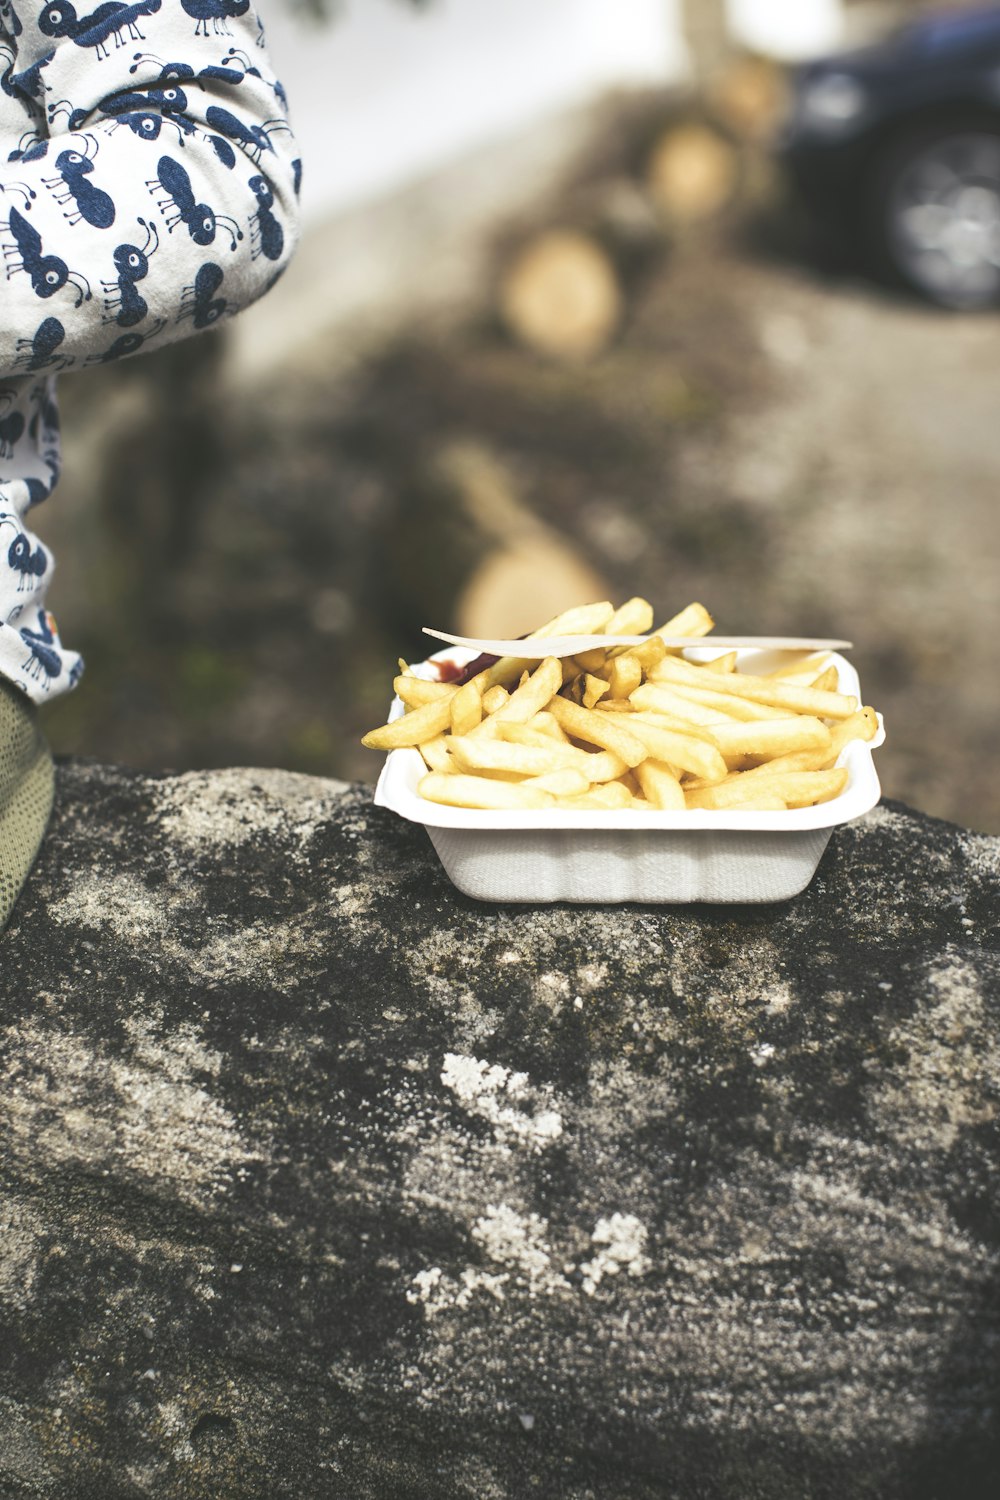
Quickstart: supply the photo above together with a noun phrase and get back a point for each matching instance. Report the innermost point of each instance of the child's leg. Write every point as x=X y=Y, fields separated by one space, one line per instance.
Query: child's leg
x=26 y=785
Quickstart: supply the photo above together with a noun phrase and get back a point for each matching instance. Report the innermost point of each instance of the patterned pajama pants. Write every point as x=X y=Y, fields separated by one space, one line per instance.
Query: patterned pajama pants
x=148 y=189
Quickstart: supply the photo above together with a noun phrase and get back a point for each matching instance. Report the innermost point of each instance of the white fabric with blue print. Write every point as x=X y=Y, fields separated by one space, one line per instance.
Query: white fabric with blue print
x=148 y=189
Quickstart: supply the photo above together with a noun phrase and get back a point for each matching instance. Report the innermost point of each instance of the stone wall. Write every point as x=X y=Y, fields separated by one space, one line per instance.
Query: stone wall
x=319 y=1180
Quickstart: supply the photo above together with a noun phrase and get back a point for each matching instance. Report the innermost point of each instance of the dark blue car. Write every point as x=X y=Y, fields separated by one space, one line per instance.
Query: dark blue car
x=899 y=146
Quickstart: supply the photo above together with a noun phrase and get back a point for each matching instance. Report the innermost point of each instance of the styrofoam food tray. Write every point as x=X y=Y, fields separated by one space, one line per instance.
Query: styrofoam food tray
x=621 y=855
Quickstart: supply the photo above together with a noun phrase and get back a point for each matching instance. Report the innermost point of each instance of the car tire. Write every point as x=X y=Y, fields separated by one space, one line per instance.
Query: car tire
x=934 y=214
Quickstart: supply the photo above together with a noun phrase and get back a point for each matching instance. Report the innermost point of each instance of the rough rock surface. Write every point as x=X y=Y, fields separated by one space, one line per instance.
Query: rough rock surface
x=320 y=1180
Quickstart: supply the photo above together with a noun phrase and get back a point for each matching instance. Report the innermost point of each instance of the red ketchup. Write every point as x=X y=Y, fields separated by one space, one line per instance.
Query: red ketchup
x=450 y=671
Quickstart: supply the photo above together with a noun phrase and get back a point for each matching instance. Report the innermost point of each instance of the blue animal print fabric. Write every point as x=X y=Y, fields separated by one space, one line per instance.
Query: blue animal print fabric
x=148 y=186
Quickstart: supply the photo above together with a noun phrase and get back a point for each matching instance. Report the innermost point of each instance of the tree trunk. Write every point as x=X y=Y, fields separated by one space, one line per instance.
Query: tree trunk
x=706 y=31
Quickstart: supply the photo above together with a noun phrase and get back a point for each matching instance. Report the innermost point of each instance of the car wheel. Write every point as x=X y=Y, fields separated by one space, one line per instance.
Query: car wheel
x=936 y=207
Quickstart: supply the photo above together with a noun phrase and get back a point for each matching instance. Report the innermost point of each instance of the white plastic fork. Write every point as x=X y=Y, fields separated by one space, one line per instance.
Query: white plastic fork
x=536 y=647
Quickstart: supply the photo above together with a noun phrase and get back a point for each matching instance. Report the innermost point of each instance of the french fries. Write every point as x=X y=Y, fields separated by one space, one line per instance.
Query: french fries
x=629 y=727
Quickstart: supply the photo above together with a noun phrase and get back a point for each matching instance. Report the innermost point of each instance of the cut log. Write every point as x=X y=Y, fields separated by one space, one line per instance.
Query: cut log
x=693 y=173
x=560 y=295
x=467 y=553
x=523 y=583
x=750 y=95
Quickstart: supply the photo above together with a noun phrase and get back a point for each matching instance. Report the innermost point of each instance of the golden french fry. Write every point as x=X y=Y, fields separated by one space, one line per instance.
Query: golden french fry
x=772 y=737
x=694 y=620
x=435 y=754
x=731 y=704
x=794 y=680
x=862 y=725
x=701 y=732
x=805 y=667
x=582 y=619
x=416 y=691
x=634 y=617
x=657 y=698
x=474 y=753
x=760 y=803
x=626 y=675
x=505 y=672
x=795 y=788
x=769 y=690
x=593 y=689
x=524 y=734
x=482 y=792
x=598 y=729
x=532 y=694
x=743 y=767
x=595 y=765
x=826 y=682
x=544 y=722
x=767 y=803
x=587 y=661
x=565 y=783
x=688 y=751
x=647 y=655
x=725 y=794
x=413 y=728
x=600 y=766
x=659 y=785
x=609 y=795
x=466 y=708
x=724 y=663
x=495 y=697
x=527 y=734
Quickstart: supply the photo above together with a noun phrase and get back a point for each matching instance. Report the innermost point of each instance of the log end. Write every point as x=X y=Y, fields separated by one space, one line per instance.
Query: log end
x=560 y=296
x=693 y=173
x=750 y=95
x=532 y=579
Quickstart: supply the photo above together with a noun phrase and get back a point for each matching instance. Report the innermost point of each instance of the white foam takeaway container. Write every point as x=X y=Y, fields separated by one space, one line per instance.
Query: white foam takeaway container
x=622 y=855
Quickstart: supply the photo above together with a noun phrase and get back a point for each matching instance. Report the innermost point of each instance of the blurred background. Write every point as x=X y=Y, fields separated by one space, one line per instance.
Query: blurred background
x=592 y=301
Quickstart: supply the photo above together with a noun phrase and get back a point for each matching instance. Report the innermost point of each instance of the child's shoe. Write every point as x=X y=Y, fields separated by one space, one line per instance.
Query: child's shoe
x=27 y=779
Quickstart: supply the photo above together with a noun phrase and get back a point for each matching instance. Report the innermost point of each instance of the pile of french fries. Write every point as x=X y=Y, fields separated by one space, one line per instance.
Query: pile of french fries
x=637 y=727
